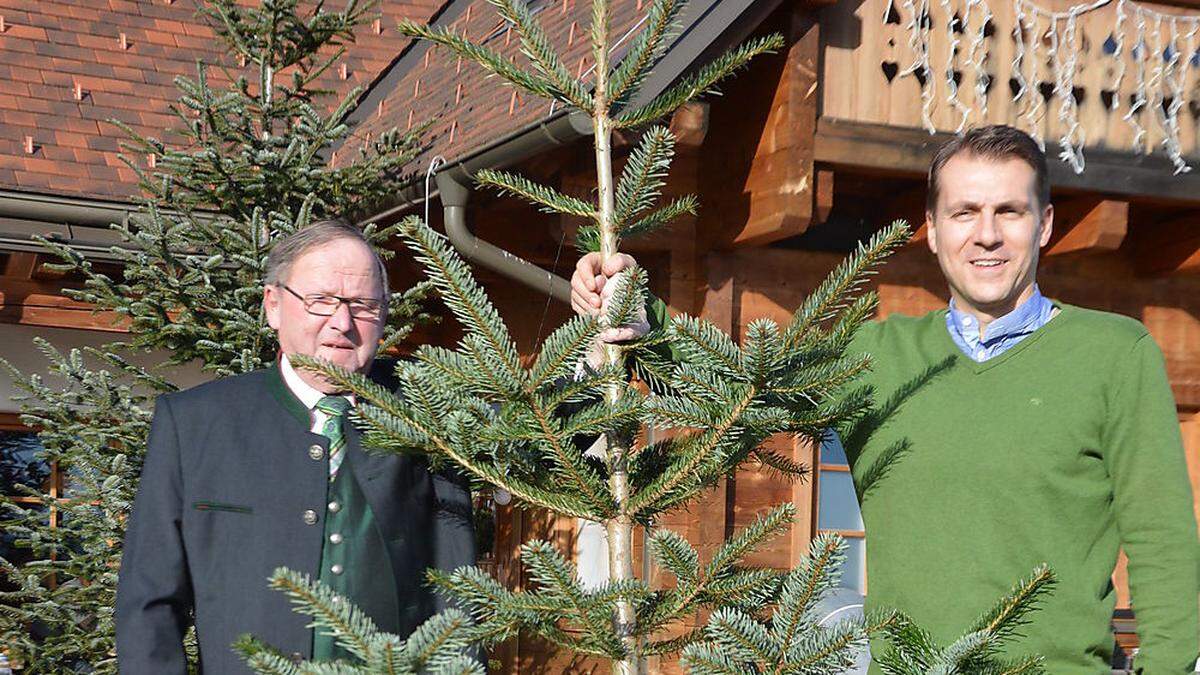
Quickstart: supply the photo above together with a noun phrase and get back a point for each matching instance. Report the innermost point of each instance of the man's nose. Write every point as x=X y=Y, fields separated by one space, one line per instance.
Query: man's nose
x=341 y=319
x=987 y=230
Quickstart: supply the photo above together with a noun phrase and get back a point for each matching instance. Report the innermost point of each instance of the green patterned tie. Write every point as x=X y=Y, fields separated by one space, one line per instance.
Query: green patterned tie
x=335 y=407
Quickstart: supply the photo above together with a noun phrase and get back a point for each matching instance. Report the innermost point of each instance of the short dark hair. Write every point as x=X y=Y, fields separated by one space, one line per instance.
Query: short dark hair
x=996 y=141
x=288 y=250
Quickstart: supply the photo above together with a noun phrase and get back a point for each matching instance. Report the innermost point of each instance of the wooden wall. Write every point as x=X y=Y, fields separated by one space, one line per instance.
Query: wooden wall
x=865 y=59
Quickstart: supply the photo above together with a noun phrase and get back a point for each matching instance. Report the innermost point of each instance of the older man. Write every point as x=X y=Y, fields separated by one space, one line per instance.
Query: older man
x=254 y=472
x=1039 y=432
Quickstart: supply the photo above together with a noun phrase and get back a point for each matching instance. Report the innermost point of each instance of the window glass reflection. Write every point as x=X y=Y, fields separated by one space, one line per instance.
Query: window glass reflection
x=854 y=570
x=19 y=462
x=832 y=451
x=838 y=505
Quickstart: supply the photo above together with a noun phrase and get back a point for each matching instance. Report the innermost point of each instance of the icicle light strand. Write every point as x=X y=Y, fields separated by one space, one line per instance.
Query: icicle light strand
x=1163 y=60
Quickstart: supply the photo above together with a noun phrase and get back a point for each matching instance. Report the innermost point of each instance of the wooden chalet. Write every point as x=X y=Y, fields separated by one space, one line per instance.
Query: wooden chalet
x=805 y=153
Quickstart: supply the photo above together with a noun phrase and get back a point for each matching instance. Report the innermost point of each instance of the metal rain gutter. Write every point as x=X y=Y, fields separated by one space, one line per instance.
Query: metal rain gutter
x=85 y=225
x=453 y=187
x=706 y=23
x=82 y=224
x=90 y=212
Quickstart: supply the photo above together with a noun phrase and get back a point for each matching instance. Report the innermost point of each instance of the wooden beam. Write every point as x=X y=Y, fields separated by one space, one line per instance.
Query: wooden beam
x=21 y=265
x=27 y=265
x=1085 y=226
x=907 y=152
x=689 y=124
x=42 y=272
x=34 y=303
x=765 y=147
x=823 y=195
x=804 y=496
x=1169 y=247
x=781 y=176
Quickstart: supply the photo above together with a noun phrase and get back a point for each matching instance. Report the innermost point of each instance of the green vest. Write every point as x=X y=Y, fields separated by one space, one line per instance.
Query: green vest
x=355 y=561
x=365 y=574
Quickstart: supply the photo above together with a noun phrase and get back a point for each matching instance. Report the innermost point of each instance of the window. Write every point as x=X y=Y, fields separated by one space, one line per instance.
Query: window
x=837 y=511
x=20 y=465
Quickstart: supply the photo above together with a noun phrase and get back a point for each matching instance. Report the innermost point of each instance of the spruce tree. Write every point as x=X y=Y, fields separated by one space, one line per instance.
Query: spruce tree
x=522 y=428
x=247 y=162
x=791 y=638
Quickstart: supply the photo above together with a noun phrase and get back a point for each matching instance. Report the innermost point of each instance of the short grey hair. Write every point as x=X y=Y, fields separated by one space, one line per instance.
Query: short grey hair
x=288 y=250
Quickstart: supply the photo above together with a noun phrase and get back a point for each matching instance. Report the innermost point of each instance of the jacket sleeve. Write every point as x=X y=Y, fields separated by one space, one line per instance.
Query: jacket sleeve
x=454 y=525
x=154 y=592
x=1152 y=502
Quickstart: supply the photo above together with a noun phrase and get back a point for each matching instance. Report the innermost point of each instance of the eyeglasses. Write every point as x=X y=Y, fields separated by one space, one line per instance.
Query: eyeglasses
x=327 y=305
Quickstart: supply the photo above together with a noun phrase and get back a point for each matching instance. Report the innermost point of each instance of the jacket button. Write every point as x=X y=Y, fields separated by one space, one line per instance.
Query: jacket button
x=336 y=569
x=310 y=517
x=297 y=657
x=335 y=538
x=316 y=452
x=334 y=507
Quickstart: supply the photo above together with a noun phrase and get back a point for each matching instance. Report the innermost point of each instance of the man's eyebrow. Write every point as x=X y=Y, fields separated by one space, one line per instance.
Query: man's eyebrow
x=1017 y=204
x=962 y=203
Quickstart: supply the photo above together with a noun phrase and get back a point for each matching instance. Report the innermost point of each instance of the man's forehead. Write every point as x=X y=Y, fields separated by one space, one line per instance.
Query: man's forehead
x=333 y=262
x=972 y=177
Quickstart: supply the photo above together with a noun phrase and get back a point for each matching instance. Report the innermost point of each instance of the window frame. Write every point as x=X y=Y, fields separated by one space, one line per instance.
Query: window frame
x=11 y=421
x=844 y=534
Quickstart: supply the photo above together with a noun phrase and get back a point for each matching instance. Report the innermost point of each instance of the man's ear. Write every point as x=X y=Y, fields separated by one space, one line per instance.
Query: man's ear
x=930 y=233
x=271 y=300
x=1047 y=225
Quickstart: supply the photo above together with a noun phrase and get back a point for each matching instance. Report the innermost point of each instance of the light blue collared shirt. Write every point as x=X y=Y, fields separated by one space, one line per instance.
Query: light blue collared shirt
x=1002 y=333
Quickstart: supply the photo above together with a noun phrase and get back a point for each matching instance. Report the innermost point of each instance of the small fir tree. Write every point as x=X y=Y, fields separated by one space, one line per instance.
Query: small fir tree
x=915 y=652
x=518 y=427
x=247 y=164
x=793 y=640
x=436 y=647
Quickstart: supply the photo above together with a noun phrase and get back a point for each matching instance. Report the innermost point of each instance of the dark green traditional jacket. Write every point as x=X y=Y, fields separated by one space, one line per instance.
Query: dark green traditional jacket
x=230 y=492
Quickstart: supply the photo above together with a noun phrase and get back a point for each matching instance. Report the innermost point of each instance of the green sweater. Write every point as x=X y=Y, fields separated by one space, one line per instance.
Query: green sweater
x=1060 y=450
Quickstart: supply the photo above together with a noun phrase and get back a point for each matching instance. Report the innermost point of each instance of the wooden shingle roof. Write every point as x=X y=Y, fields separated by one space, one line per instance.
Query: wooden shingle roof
x=470 y=109
x=67 y=67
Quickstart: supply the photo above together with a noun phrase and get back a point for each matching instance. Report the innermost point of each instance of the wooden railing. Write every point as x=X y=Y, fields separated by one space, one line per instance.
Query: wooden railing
x=869 y=74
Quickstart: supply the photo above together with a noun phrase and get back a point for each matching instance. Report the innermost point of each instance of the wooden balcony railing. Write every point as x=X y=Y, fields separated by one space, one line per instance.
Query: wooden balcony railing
x=1132 y=70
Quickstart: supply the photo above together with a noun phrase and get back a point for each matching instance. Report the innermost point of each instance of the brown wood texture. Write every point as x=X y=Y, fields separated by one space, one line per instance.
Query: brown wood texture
x=1086 y=225
x=1168 y=247
x=763 y=156
x=873 y=147
x=866 y=58
x=38 y=303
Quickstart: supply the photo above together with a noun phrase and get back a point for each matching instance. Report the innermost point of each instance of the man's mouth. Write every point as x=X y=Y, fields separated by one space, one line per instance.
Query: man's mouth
x=988 y=262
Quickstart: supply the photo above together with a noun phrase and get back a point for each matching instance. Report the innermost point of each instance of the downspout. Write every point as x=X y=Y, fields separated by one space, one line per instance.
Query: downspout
x=454 y=196
x=453 y=189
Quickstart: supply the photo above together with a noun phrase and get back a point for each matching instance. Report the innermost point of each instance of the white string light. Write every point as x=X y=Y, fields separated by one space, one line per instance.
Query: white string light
x=918 y=41
x=952 y=22
x=977 y=56
x=1163 y=55
x=1173 y=81
x=1018 y=62
x=1119 y=54
x=1139 y=90
x=1033 y=111
x=1154 y=84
